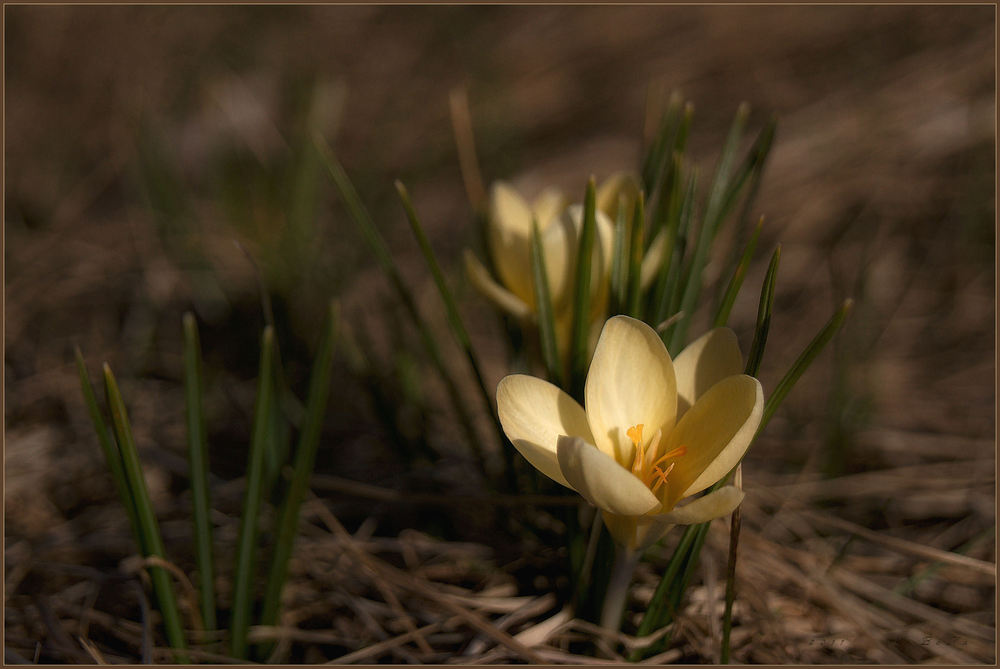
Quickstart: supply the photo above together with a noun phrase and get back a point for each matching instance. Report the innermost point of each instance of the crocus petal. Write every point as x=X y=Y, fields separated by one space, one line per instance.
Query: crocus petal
x=631 y=381
x=713 y=505
x=652 y=260
x=618 y=189
x=534 y=414
x=480 y=277
x=706 y=361
x=602 y=481
x=561 y=241
x=649 y=530
x=714 y=433
x=547 y=206
x=623 y=528
x=509 y=235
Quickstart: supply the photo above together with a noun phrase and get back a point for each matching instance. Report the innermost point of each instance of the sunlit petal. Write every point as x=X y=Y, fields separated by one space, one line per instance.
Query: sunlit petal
x=653 y=259
x=619 y=189
x=715 y=433
x=713 y=505
x=602 y=481
x=547 y=206
x=480 y=277
x=706 y=361
x=509 y=235
x=534 y=414
x=631 y=381
x=622 y=528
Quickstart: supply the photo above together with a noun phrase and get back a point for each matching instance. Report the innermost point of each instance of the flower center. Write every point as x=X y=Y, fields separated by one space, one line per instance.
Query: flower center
x=646 y=464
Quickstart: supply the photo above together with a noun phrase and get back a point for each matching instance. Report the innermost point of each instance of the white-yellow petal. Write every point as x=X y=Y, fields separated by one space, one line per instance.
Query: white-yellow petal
x=653 y=259
x=560 y=244
x=623 y=528
x=602 y=481
x=480 y=277
x=631 y=381
x=547 y=206
x=509 y=237
x=713 y=505
x=703 y=363
x=534 y=414
x=715 y=433
x=619 y=189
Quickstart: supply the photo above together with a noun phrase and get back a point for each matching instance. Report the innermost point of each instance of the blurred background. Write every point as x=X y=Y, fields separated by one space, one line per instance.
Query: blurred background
x=158 y=160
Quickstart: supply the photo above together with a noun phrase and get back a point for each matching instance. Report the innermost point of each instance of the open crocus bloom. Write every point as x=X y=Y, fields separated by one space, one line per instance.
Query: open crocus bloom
x=654 y=431
x=560 y=224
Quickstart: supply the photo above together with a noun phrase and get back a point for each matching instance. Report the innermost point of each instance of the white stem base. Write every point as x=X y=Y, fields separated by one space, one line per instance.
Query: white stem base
x=617 y=592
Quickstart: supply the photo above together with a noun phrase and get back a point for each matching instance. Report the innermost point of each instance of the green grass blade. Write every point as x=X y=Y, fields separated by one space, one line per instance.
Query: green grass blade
x=736 y=282
x=664 y=199
x=660 y=602
x=378 y=246
x=764 y=308
x=110 y=449
x=152 y=541
x=279 y=430
x=660 y=300
x=305 y=459
x=658 y=155
x=246 y=551
x=669 y=297
x=543 y=300
x=711 y=221
x=752 y=169
x=735 y=524
x=619 y=262
x=636 y=247
x=580 y=328
x=199 y=467
x=805 y=359
x=457 y=325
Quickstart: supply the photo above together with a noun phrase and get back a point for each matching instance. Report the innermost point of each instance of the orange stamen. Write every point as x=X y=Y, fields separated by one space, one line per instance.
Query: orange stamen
x=635 y=434
x=675 y=453
x=661 y=475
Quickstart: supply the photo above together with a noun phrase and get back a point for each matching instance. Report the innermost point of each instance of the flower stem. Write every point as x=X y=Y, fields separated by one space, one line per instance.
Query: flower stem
x=615 y=597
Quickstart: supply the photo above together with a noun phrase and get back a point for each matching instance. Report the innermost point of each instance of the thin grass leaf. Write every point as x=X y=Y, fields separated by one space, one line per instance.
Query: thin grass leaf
x=199 y=467
x=805 y=359
x=764 y=308
x=658 y=155
x=660 y=601
x=751 y=168
x=668 y=292
x=378 y=246
x=246 y=551
x=714 y=214
x=305 y=459
x=543 y=301
x=279 y=430
x=636 y=247
x=151 y=539
x=111 y=454
x=735 y=523
x=660 y=300
x=619 y=262
x=736 y=282
x=580 y=328
x=458 y=328
x=663 y=199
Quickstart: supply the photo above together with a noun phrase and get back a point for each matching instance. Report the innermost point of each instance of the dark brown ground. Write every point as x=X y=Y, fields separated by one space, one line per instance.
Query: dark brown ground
x=142 y=141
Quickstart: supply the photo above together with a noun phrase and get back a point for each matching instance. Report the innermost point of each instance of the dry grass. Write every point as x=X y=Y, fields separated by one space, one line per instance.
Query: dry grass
x=869 y=526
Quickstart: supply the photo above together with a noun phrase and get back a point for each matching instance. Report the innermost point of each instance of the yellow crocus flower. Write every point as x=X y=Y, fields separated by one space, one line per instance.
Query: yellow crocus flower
x=655 y=431
x=509 y=229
